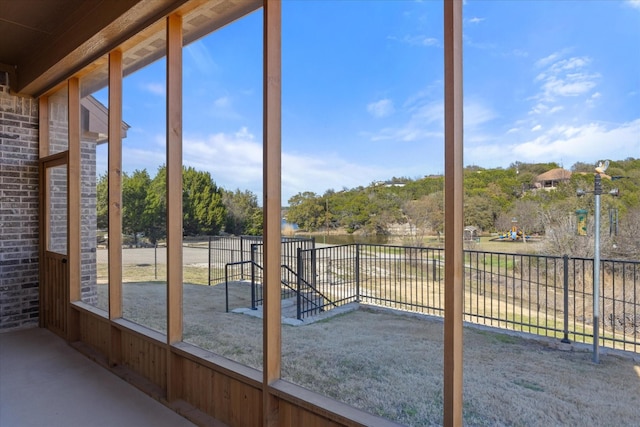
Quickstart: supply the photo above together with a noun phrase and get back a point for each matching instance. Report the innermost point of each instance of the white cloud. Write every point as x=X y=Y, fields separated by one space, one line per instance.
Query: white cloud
x=520 y=52
x=320 y=173
x=425 y=120
x=543 y=62
x=560 y=79
x=201 y=57
x=142 y=150
x=536 y=128
x=382 y=108
x=223 y=108
x=634 y=4
x=475 y=20
x=476 y=114
x=155 y=88
x=235 y=161
x=419 y=40
x=567 y=144
x=222 y=102
x=235 y=158
x=478 y=45
x=572 y=85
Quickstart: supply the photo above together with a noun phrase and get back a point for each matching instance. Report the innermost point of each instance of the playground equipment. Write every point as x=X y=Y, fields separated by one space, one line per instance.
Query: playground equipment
x=516 y=234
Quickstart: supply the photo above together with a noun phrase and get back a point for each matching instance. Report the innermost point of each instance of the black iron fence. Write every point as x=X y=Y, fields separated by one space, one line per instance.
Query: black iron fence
x=240 y=250
x=544 y=295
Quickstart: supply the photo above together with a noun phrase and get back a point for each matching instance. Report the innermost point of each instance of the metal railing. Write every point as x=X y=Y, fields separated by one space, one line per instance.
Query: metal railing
x=544 y=295
x=225 y=250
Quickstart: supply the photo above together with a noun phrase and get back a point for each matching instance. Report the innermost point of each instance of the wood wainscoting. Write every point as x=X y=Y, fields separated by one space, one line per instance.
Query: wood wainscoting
x=55 y=292
x=208 y=389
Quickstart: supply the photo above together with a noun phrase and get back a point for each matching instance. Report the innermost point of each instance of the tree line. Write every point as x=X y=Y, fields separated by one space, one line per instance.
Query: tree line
x=207 y=208
x=492 y=199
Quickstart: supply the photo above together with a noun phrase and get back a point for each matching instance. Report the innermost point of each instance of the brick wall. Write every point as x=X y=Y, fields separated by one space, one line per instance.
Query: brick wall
x=19 y=295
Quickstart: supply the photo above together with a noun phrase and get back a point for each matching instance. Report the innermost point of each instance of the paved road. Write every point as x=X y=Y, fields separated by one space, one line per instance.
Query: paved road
x=131 y=256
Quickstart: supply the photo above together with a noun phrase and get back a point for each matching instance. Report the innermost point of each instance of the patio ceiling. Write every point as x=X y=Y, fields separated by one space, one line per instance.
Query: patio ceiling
x=46 y=41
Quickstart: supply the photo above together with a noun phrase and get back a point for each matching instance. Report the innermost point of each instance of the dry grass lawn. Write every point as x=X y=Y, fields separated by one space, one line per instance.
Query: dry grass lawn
x=390 y=364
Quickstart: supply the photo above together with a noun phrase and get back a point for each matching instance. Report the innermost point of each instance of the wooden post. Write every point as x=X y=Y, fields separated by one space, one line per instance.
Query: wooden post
x=174 y=200
x=174 y=178
x=43 y=148
x=114 y=176
x=453 y=208
x=73 y=204
x=272 y=339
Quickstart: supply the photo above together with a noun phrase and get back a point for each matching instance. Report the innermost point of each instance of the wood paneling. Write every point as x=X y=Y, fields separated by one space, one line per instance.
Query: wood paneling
x=55 y=292
x=220 y=396
x=294 y=416
x=213 y=389
x=95 y=332
x=54 y=267
x=146 y=357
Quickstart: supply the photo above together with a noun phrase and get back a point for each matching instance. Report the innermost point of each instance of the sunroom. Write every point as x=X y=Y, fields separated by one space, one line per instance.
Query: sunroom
x=66 y=67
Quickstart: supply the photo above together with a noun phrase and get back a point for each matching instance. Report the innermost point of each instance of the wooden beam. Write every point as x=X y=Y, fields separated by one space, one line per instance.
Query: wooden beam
x=453 y=208
x=114 y=177
x=74 y=205
x=174 y=198
x=271 y=181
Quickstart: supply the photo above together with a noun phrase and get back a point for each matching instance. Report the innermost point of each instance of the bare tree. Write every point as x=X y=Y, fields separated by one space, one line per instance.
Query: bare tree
x=627 y=242
x=425 y=215
x=561 y=236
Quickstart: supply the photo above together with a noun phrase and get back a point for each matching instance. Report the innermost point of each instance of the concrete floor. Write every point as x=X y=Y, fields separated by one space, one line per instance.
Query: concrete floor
x=45 y=382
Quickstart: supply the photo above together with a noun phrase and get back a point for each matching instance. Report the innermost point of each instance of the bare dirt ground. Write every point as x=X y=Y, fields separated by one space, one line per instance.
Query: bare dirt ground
x=391 y=364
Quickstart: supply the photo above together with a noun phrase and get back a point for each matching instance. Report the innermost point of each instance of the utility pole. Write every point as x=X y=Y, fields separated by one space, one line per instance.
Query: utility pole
x=597 y=191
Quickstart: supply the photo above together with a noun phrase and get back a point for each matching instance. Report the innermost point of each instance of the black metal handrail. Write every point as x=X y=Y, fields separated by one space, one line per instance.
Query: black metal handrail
x=300 y=295
x=226 y=281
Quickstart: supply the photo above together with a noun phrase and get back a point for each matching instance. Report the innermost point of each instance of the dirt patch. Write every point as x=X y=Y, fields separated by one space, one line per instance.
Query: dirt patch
x=391 y=364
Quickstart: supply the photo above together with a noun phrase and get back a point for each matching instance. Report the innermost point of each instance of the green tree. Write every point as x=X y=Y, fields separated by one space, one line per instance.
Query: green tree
x=202 y=207
x=479 y=211
x=307 y=210
x=102 y=202
x=244 y=216
x=352 y=208
x=156 y=206
x=134 y=194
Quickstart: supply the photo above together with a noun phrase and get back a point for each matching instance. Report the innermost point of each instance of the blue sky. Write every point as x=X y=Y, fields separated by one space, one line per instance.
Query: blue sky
x=362 y=96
